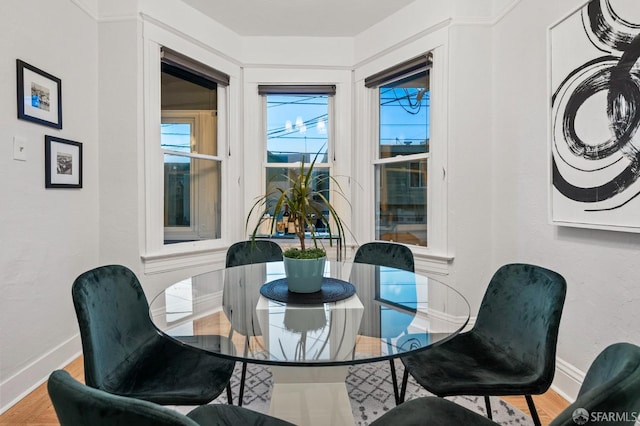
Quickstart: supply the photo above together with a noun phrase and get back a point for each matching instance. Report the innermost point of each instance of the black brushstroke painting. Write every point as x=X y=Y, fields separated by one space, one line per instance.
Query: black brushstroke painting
x=617 y=73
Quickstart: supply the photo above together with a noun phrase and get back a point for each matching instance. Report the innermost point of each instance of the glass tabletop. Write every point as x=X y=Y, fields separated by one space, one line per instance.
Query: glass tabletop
x=392 y=313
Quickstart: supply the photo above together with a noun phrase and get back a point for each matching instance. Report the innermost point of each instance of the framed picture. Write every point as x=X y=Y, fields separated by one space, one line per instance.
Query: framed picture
x=594 y=125
x=39 y=96
x=62 y=163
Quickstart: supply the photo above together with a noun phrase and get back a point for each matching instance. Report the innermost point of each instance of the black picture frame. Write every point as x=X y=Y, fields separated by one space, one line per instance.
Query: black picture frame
x=39 y=96
x=62 y=163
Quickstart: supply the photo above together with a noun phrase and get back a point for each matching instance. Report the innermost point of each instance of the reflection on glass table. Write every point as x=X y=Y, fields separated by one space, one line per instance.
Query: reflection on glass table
x=310 y=347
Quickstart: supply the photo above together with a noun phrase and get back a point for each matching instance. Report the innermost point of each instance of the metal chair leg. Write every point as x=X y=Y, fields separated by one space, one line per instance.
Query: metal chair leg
x=229 y=396
x=243 y=375
x=394 y=380
x=532 y=410
x=405 y=379
x=487 y=402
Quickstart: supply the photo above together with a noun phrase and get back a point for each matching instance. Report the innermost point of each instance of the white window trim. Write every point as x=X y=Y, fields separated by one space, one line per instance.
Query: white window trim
x=296 y=165
x=401 y=158
x=156 y=256
x=436 y=258
x=254 y=137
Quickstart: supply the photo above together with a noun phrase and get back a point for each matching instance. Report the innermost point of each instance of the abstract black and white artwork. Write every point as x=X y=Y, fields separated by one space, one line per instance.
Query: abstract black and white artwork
x=595 y=116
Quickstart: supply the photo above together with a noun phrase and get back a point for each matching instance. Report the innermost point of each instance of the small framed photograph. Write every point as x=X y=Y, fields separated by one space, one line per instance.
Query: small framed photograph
x=39 y=96
x=62 y=163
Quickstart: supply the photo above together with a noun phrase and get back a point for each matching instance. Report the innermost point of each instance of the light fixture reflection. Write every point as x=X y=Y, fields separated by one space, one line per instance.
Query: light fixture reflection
x=322 y=128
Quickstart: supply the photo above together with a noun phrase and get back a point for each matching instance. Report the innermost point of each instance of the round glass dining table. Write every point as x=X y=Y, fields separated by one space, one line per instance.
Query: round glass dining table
x=365 y=313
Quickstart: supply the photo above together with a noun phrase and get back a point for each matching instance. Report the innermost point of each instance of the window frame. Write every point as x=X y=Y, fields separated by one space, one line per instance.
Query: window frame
x=296 y=165
x=155 y=255
x=198 y=133
x=435 y=258
x=380 y=161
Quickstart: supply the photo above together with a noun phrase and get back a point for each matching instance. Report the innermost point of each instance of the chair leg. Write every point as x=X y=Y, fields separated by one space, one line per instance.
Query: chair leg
x=243 y=375
x=394 y=380
x=229 y=396
x=532 y=410
x=487 y=402
x=405 y=379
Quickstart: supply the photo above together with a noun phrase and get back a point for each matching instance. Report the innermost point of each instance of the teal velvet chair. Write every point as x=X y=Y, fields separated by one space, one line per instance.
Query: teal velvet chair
x=125 y=355
x=511 y=349
x=246 y=253
x=385 y=254
x=612 y=385
x=78 y=405
x=391 y=255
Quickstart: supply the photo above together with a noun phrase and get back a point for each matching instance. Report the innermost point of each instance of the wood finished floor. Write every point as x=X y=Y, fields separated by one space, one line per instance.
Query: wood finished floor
x=36 y=408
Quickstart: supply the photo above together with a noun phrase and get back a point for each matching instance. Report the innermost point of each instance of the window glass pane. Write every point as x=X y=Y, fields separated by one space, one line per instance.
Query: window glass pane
x=404 y=116
x=191 y=198
x=297 y=125
x=191 y=186
x=177 y=191
x=276 y=178
x=401 y=202
x=184 y=91
x=176 y=136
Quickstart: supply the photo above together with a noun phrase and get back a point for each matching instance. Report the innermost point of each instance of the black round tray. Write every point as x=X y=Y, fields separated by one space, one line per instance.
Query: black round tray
x=332 y=290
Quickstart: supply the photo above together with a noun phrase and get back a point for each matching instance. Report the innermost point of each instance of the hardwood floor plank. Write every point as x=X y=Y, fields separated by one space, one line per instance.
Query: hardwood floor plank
x=36 y=408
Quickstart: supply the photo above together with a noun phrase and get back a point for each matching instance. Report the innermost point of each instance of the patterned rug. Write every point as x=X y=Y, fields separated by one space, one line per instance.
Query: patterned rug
x=370 y=391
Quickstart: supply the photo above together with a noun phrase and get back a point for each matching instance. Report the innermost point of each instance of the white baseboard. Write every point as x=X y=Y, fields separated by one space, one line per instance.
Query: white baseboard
x=567 y=380
x=29 y=378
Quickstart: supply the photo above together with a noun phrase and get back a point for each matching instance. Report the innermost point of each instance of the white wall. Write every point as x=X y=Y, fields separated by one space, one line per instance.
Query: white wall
x=601 y=267
x=470 y=229
x=298 y=52
x=49 y=235
x=120 y=156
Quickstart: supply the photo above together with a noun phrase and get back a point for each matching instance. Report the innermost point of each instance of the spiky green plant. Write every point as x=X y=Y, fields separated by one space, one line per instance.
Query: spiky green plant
x=299 y=196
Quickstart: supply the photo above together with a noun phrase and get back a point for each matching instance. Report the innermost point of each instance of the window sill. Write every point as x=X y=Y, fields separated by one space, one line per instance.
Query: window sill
x=428 y=262
x=176 y=258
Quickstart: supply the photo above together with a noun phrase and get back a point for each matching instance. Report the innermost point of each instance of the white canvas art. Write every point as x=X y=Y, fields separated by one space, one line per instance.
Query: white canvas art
x=595 y=116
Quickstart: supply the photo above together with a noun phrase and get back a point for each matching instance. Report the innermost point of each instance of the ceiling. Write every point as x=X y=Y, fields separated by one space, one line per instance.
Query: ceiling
x=325 y=18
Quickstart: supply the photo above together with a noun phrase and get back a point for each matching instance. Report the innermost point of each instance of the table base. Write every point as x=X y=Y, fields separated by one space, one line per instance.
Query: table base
x=311 y=396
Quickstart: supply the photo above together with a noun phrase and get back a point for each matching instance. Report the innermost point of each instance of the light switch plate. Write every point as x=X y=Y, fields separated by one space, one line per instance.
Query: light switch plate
x=19 y=148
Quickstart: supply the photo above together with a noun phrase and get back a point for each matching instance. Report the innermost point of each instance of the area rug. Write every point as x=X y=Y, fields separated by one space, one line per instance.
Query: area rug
x=370 y=392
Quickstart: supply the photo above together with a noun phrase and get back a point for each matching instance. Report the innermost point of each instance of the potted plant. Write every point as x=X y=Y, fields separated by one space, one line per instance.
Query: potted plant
x=307 y=207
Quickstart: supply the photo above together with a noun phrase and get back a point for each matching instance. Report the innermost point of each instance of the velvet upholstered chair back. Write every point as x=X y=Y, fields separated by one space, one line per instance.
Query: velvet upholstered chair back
x=391 y=255
x=76 y=404
x=113 y=315
x=248 y=252
x=520 y=313
x=610 y=392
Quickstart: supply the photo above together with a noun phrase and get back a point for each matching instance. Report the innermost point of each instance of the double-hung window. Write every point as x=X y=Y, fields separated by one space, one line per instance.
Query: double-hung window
x=191 y=95
x=298 y=128
x=402 y=154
